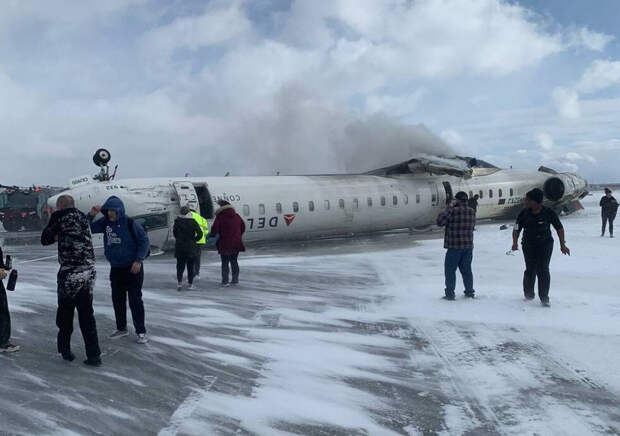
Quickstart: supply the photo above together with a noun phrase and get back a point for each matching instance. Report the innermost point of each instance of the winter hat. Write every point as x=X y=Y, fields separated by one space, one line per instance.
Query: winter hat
x=607 y=191
x=535 y=195
x=223 y=203
x=462 y=196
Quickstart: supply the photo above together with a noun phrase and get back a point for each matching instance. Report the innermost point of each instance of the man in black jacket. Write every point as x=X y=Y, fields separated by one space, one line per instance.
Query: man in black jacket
x=5 y=317
x=187 y=233
x=76 y=278
x=609 y=208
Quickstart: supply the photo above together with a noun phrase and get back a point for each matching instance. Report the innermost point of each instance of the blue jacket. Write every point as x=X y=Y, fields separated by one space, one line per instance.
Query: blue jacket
x=120 y=248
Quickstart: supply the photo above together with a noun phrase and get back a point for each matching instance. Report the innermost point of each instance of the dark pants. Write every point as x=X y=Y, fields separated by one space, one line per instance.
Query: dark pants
x=5 y=319
x=182 y=263
x=230 y=262
x=460 y=259
x=197 y=261
x=83 y=302
x=607 y=218
x=125 y=284
x=537 y=259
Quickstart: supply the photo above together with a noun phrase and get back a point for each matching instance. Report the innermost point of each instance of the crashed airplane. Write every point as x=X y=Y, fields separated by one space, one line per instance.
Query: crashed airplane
x=408 y=195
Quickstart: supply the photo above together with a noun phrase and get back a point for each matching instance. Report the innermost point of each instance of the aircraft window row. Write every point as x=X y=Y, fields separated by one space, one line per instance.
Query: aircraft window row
x=327 y=204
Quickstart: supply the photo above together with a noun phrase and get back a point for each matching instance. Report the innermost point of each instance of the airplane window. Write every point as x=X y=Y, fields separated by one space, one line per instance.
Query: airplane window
x=152 y=222
x=395 y=200
x=356 y=203
x=417 y=198
x=326 y=204
x=246 y=210
x=512 y=192
x=295 y=206
x=490 y=193
x=481 y=194
x=383 y=201
x=278 y=207
x=406 y=198
x=311 y=206
x=500 y=193
x=261 y=209
x=369 y=202
x=341 y=203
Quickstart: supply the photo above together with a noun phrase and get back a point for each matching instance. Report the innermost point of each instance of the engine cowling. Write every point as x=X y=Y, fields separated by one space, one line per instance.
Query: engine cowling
x=554 y=188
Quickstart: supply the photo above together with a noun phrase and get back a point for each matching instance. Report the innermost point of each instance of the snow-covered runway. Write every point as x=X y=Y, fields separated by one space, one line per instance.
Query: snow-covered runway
x=342 y=337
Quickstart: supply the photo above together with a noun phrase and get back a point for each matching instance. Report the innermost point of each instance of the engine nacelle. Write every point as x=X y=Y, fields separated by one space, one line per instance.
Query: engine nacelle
x=554 y=188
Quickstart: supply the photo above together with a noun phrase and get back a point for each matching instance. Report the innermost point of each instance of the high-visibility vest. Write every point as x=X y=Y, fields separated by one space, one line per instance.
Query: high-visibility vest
x=204 y=226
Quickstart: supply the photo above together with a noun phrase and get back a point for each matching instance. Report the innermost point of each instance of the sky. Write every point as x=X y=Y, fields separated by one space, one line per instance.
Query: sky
x=303 y=86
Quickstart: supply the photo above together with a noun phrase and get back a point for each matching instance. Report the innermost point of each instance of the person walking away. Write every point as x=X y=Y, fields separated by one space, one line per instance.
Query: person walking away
x=609 y=209
x=536 y=221
x=459 y=220
x=126 y=246
x=187 y=233
x=229 y=226
x=5 y=317
x=204 y=228
x=76 y=278
x=473 y=203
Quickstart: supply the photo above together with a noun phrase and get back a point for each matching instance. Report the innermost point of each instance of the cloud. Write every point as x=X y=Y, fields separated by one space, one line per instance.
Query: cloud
x=545 y=141
x=567 y=102
x=452 y=137
x=589 y=39
x=599 y=75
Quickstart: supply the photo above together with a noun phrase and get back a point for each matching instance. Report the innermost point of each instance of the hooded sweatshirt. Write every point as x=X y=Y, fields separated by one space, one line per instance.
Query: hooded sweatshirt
x=187 y=233
x=120 y=248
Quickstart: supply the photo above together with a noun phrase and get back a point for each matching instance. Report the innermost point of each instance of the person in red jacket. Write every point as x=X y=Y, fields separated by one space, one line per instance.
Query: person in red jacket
x=229 y=228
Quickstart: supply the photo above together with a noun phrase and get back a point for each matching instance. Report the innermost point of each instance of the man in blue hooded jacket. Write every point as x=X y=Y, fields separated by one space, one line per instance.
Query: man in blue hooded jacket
x=126 y=246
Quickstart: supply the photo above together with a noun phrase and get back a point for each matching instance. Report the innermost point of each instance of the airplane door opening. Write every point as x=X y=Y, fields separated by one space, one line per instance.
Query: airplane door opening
x=449 y=195
x=187 y=195
x=205 y=201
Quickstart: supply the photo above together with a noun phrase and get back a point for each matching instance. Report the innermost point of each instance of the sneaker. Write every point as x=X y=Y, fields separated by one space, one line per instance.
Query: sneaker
x=119 y=334
x=545 y=303
x=69 y=356
x=611 y=236
x=448 y=298
x=93 y=361
x=9 y=348
x=225 y=284
x=196 y=278
x=470 y=295
x=179 y=287
x=234 y=282
x=529 y=297
x=190 y=286
x=142 y=339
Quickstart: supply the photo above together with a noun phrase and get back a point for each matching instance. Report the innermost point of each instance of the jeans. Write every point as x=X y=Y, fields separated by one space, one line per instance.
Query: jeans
x=83 y=302
x=232 y=261
x=182 y=263
x=607 y=218
x=461 y=259
x=5 y=319
x=537 y=259
x=125 y=284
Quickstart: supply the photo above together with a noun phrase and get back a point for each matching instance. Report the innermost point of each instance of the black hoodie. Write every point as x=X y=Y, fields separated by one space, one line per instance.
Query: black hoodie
x=187 y=233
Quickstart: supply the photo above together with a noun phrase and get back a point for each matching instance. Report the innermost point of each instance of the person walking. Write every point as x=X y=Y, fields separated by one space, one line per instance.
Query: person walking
x=229 y=226
x=5 y=317
x=126 y=246
x=459 y=220
x=609 y=209
x=537 y=243
x=76 y=278
x=187 y=233
x=473 y=203
x=204 y=228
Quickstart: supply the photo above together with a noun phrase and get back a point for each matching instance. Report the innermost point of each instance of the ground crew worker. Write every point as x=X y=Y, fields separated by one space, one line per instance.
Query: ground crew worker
x=204 y=227
x=537 y=243
x=609 y=208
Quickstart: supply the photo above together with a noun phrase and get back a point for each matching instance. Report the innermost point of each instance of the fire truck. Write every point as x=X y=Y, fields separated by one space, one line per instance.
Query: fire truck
x=25 y=208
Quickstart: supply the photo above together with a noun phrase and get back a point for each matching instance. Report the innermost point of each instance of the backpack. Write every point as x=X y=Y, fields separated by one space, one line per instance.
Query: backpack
x=132 y=232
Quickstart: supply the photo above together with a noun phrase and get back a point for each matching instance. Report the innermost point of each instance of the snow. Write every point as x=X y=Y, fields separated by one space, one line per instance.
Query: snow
x=344 y=337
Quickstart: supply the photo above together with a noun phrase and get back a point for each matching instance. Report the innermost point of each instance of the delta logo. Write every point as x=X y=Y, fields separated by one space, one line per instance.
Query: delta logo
x=288 y=219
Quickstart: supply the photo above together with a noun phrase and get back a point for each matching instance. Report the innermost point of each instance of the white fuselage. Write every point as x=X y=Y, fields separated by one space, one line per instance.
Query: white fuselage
x=306 y=207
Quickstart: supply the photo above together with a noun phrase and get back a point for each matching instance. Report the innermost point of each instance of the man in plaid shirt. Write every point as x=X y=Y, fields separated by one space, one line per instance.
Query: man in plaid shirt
x=459 y=220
